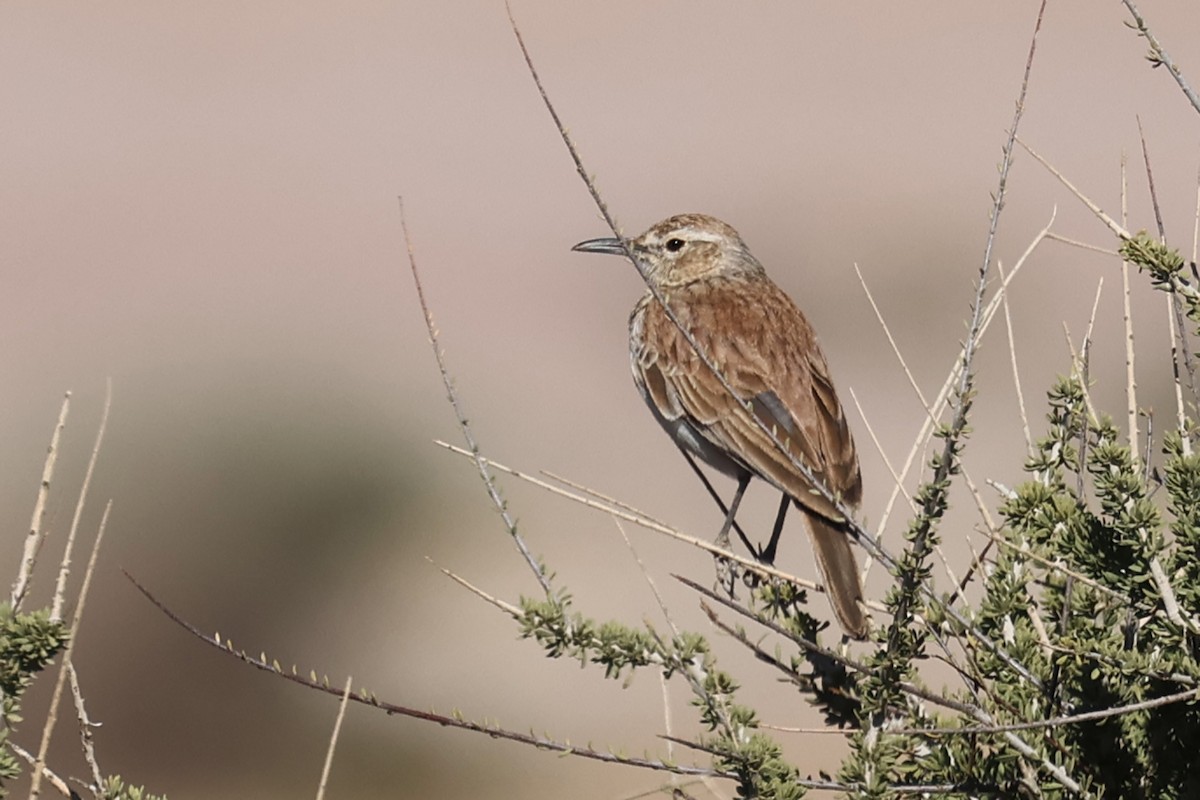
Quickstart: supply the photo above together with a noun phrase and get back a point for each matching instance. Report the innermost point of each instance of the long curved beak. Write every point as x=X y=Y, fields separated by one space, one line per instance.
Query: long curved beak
x=613 y=247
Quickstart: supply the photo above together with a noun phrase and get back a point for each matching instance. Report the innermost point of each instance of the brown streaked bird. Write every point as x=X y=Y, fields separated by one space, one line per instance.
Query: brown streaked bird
x=760 y=341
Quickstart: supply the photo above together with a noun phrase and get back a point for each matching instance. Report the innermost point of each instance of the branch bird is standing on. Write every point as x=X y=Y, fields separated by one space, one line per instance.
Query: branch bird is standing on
x=768 y=353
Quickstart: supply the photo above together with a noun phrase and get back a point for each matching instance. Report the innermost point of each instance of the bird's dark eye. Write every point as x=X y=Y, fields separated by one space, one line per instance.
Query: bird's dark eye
x=674 y=245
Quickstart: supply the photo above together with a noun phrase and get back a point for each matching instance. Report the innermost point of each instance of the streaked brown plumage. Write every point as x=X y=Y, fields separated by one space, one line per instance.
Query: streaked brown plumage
x=763 y=345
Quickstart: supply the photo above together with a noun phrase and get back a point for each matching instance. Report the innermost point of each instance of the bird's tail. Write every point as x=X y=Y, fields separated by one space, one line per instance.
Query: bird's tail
x=839 y=569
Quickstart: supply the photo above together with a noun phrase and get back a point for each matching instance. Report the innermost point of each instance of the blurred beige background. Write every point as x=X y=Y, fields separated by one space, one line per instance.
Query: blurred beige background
x=199 y=200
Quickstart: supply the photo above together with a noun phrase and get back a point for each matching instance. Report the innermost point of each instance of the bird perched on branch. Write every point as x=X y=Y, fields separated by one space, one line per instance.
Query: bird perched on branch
x=767 y=353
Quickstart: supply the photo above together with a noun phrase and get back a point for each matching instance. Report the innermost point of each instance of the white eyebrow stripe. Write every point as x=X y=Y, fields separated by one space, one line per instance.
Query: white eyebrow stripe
x=690 y=234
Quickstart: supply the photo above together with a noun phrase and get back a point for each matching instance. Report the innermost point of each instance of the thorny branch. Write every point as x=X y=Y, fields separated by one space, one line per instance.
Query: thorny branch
x=452 y=395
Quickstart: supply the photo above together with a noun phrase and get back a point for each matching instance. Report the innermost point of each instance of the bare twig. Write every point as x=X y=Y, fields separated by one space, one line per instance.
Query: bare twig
x=333 y=738
x=456 y=721
x=1117 y=229
x=452 y=395
x=817 y=731
x=812 y=647
x=85 y=730
x=1083 y=245
x=55 y=781
x=60 y=590
x=33 y=539
x=1158 y=56
x=1127 y=319
x=1016 y=373
x=647 y=577
x=507 y=608
x=749 y=564
x=1185 y=347
x=73 y=637
x=910 y=585
x=1180 y=411
x=887 y=462
x=931 y=419
x=927 y=424
x=1058 y=566
x=1069 y=719
x=612 y=501
x=757 y=650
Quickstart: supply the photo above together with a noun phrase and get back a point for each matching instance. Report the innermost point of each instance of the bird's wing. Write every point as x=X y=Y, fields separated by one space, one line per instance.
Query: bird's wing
x=767 y=352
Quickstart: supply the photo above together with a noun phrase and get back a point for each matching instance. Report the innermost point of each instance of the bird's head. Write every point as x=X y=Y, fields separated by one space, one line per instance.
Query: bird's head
x=683 y=249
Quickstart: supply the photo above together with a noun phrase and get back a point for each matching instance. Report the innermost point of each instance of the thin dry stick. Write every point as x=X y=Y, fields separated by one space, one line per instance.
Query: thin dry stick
x=457 y=721
x=978 y=322
x=664 y=684
x=974 y=330
x=849 y=790
x=810 y=646
x=1180 y=412
x=507 y=608
x=614 y=502
x=1158 y=217
x=1117 y=229
x=1077 y=369
x=1085 y=352
x=977 y=559
x=1070 y=719
x=1185 y=347
x=927 y=424
x=55 y=781
x=914 y=690
x=1082 y=245
x=452 y=396
x=60 y=590
x=925 y=432
x=1016 y=373
x=658 y=598
x=1161 y=580
x=1127 y=317
x=950 y=455
x=887 y=462
x=759 y=652
x=702 y=544
x=1196 y=221
x=1158 y=56
x=887 y=331
x=72 y=638
x=866 y=569
x=85 y=731
x=665 y=687
x=33 y=539
x=1170 y=601
x=1058 y=566
x=931 y=418
x=789 y=729
x=1039 y=627
x=333 y=739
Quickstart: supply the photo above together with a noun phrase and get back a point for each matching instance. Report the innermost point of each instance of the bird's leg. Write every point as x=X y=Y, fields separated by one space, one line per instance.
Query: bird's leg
x=767 y=554
x=723 y=536
x=726 y=569
x=729 y=514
